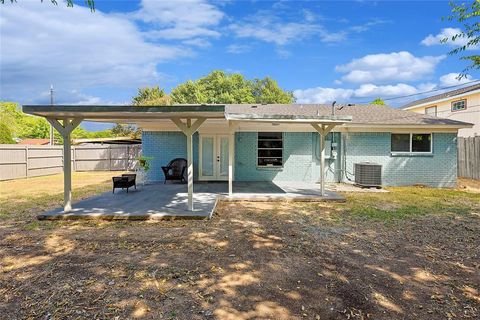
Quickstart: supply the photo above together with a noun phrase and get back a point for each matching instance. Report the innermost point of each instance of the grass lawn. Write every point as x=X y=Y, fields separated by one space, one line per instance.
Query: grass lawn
x=412 y=253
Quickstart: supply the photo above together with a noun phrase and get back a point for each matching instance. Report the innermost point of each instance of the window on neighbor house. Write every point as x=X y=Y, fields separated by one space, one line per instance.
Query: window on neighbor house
x=459 y=105
x=411 y=142
x=431 y=111
x=270 y=149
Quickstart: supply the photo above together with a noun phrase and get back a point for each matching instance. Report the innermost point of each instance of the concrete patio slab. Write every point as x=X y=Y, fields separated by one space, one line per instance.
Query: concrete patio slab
x=169 y=201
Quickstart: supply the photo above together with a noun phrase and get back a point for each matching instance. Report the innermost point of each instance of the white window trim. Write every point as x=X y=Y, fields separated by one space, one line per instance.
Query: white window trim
x=411 y=143
x=283 y=146
x=464 y=103
x=431 y=107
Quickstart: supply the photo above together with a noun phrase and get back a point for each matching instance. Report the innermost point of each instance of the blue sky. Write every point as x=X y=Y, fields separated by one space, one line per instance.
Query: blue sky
x=349 y=51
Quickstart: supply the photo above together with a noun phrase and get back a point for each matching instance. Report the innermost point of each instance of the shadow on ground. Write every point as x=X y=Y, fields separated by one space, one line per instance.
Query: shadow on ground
x=252 y=261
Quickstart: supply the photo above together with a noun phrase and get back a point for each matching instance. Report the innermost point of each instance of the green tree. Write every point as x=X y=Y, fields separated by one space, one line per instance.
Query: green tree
x=7 y=122
x=378 y=101
x=6 y=134
x=266 y=90
x=151 y=96
x=89 y=3
x=16 y=124
x=126 y=130
x=188 y=92
x=220 y=87
x=469 y=16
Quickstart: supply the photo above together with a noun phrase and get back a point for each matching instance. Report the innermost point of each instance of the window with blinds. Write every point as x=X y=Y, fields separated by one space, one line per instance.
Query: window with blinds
x=270 y=149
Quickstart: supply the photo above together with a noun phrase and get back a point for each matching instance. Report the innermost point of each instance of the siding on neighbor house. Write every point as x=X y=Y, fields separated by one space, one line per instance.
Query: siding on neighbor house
x=437 y=170
x=301 y=158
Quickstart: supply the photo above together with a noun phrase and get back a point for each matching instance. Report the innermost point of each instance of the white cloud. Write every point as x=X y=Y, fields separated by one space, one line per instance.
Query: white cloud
x=197 y=42
x=451 y=79
x=268 y=27
x=74 y=48
x=447 y=33
x=368 y=25
x=322 y=95
x=371 y=90
x=238 y=48
x=384 y=67
x=365 y=92
x=180 y=19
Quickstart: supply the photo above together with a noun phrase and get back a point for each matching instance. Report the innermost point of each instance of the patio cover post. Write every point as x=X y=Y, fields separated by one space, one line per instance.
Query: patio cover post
x=189 y=129
x=323 y=130
x=65 y=128
x=231 y=155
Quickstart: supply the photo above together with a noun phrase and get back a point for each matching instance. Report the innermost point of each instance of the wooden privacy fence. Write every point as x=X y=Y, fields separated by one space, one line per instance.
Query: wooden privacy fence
x=469 y=157
x=18 y=161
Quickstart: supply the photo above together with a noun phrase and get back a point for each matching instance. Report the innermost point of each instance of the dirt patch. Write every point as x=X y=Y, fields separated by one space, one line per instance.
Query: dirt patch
x=470 y=185
x=252 y=261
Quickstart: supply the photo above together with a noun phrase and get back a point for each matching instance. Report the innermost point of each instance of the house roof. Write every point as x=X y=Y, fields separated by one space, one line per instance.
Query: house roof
x=360 y=114
x=444 y=95
x=352 y=113
x=36 y=142
x=117 y=113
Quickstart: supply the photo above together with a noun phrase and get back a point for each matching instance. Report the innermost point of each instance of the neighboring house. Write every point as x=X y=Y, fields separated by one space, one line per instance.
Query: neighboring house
x=460 y=104
x=35 y=142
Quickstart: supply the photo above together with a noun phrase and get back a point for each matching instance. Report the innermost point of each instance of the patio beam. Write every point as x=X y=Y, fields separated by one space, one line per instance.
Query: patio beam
x=323 y=130
x=65 y=128
x=189 y=129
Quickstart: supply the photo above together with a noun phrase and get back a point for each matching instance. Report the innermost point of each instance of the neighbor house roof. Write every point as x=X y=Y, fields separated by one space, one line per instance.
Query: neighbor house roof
x=445 y=95
x=36 y=142
x=352 y=114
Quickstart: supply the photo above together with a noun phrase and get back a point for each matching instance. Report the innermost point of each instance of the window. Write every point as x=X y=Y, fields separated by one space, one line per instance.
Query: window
x=411 y=142
x=270 y=149
x=459 y=105
x=431 y=111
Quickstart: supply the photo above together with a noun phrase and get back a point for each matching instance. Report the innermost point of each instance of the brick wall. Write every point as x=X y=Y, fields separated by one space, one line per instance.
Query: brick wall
x=166 y=146
x=437 y=170
x=301 y=158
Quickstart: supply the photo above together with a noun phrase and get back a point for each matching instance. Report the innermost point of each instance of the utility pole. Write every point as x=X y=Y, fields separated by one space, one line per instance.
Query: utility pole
x=52 y=140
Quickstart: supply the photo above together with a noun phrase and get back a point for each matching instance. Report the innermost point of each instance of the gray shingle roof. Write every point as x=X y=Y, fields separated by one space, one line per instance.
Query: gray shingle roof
x=361 y=114
x=444 y=95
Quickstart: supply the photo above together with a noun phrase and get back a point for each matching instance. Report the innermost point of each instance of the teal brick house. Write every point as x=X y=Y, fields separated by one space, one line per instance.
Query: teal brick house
x=412 y=148
x=278 y=143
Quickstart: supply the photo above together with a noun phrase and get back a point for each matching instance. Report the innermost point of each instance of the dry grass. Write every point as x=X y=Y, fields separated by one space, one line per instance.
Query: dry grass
x=22 y=197
x=469 y=185
x=409 y=254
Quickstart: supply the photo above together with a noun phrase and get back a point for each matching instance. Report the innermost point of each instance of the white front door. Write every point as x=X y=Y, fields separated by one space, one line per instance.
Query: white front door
x=213 y=157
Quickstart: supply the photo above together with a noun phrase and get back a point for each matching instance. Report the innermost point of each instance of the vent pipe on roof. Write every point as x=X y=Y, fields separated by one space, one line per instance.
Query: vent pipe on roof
x=333 y=108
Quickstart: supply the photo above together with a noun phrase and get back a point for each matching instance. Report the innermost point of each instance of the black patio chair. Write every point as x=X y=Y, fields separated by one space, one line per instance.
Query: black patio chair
x=127 y=180
x=175 y=170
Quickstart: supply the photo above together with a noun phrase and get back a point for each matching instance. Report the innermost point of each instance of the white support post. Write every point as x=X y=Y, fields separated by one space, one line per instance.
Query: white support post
x=65 y=129
x=189 y=129
x=322 y=130
x=67 y=173
x=322 y=164
x=190 y=170
x=231 y=155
